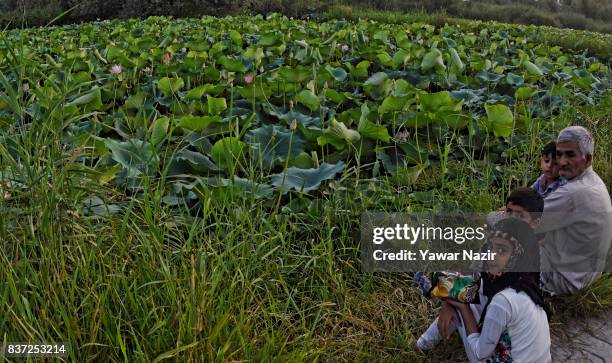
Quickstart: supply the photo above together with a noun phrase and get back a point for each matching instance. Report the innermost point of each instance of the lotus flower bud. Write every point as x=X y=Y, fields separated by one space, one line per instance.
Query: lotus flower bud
x=115 y=69
x=166 y=58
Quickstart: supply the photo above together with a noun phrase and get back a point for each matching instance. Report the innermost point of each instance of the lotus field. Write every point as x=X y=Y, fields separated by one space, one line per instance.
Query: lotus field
x=254 y=106
x=203 y=178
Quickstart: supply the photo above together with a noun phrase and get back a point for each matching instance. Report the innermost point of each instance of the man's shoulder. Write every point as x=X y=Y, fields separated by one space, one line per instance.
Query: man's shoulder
x=588 y=184
x=592 y=187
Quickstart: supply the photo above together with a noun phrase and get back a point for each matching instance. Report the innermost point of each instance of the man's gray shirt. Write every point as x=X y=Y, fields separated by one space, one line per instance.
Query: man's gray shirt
x=577 y=220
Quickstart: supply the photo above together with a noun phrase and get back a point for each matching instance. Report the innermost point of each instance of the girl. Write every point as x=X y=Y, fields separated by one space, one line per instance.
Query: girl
x=512 y=315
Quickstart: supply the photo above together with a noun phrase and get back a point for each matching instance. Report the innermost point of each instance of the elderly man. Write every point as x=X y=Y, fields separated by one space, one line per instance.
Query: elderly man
x=577 y=219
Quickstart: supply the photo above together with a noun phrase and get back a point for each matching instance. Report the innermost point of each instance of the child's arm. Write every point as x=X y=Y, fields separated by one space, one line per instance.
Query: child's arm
x=498 y=316
x=471 y=326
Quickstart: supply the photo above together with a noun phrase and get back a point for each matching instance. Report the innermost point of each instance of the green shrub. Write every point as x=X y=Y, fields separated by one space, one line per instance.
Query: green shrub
x=572 y=20
x=512 y=13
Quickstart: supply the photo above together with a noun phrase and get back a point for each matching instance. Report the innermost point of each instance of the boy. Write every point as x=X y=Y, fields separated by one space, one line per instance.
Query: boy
x=526 y=204
x=523 y=203
x=550 y=180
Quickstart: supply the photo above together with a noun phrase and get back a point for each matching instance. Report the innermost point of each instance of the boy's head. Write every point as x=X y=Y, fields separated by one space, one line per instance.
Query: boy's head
x=548 y=161
x=525 y=204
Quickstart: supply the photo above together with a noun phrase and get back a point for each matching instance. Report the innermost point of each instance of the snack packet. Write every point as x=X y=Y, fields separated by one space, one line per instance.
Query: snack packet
x=450 y=285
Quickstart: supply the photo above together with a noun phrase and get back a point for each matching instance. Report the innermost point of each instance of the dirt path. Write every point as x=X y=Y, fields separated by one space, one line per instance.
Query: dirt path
x=583 y=340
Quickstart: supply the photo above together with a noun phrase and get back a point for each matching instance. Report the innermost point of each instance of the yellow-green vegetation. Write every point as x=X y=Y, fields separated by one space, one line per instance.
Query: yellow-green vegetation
x=191 y=189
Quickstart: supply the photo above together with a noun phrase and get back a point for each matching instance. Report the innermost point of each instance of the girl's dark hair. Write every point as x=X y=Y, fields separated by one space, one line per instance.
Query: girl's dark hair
x=529 y=199
x=550 y=149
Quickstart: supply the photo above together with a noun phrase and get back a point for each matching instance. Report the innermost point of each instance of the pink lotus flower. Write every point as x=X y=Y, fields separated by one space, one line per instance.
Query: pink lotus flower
x=167 y=57
x=116 y=69
x=248 y=78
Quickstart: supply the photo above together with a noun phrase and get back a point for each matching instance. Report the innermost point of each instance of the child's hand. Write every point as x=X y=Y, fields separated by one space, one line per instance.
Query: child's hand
x=457 y=304
x=447 y=315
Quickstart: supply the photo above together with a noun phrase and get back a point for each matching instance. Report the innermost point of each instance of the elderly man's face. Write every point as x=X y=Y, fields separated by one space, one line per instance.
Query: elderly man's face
x=571 y=160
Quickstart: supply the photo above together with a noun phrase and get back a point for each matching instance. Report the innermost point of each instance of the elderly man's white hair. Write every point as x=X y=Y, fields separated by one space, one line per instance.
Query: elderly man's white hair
x=581 y=136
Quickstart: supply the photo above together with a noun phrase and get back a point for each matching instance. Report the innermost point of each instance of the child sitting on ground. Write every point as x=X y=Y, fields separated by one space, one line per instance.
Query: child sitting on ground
x=550 y=180
x=524 y=204
x=512 y=315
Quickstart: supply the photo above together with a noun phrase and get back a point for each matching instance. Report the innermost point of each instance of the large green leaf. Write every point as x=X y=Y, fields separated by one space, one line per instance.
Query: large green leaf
x=136 y=156
x=216 y=105
x=309 y=99
x=306 y=180
x=379 y=91
x=413 y=154
x=186 y=162
x=467 y=96
x=514 y=79
x=583 y=79
x=302 y=119
x=302 y=161
x=393 y=104
x=92 y=100
x=432 y=60
x=136 y=102
x=361 y=70
x=385 y=59
x=294 y=75
x=524 y=93
x=259 y=91
x=338 y=135
x=159 y=130
x=533 y=69
x=232 y=64
x=338 y=73
x=198 y=92
x=369 y=129
x=170 y=86
x=376 y=79
x=224 y=190
x=432 y=102
x=235 y=37
x=272 y=142
x=226 y=151
x=456 y=63
x=382 y=35
x=270 y=39
x=400 y=58
x=499 y=120
x=335 y=96
x=197 y=123
x=452 y=119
